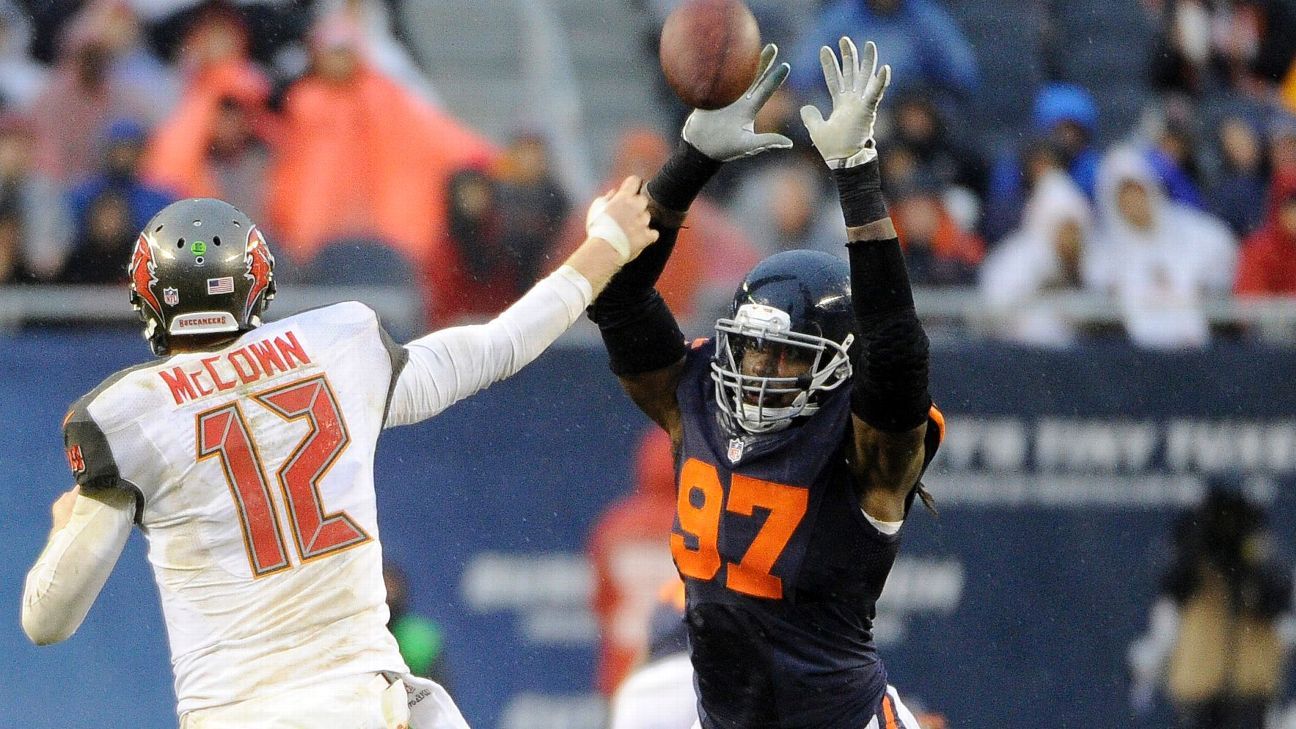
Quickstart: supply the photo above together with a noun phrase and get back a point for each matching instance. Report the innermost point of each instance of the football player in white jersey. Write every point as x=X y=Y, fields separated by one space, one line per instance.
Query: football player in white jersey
x=245 y=456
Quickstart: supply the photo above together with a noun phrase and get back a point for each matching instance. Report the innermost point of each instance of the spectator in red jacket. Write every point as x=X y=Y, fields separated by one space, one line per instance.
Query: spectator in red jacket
x=474 y=274
x=629 y=549
x=103 y=73
x=1267 y=263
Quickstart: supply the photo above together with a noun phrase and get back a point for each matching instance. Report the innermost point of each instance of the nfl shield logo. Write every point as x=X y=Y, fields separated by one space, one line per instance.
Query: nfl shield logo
x=170 y=296
x=736 y=446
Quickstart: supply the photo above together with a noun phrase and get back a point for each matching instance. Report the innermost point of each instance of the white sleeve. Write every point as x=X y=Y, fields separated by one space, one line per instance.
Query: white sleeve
x=1010 y=275
x=1220 y=271
x=1147 y=656
x=656 y=695
x=446 y=366
x=69 y=574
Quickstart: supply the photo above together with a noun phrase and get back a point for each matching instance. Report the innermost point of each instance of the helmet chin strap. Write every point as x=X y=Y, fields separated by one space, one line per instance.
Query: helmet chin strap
x=156 y=337
x=761 y=428
x=758 y=419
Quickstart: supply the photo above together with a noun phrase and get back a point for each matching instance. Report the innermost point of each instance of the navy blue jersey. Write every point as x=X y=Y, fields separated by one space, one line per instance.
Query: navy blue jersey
x=782 y=569
x=667 y=630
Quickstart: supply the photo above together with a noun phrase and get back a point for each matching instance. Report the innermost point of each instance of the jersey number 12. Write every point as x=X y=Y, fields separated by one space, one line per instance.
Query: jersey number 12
x=223 y=432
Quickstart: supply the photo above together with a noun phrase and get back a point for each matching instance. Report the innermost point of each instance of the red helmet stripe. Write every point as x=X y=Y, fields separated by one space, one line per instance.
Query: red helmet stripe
x=259 y=264
x=143 y=274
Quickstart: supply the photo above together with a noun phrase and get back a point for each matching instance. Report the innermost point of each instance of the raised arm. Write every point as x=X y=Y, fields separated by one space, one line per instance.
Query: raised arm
x=446 y=366
x=644 y=342
x=890 y=402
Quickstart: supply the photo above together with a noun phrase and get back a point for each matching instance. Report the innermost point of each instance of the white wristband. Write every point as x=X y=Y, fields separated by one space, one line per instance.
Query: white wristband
x=598 y=224
x=867 y=154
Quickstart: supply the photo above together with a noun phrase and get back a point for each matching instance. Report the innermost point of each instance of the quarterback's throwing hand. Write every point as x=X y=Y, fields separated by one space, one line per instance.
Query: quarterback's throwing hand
x=845 y=139
x=621 y=218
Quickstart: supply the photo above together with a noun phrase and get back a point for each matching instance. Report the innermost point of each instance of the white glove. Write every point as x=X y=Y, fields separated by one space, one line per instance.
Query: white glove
x=846 y=138
x=728 y=134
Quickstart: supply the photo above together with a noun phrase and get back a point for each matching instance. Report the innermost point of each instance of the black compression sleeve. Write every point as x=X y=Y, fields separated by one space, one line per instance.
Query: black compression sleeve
x=890 y=388
x=643 y=338
x=682 y=177
x=890 y=384
x=860 y=190
x=638 y=329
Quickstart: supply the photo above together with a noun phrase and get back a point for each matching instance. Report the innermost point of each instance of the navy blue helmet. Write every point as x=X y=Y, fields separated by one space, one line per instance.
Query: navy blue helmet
x=786 y=341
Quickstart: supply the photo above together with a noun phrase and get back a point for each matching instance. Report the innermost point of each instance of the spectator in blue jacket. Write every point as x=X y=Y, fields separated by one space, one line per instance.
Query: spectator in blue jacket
x=1170 y=153
x=1066 y=116
x=118 y=173
x=1242 y=182
x=924 y=46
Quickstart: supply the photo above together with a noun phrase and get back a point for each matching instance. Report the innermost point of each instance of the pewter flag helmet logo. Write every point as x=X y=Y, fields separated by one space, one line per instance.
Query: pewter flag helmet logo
x=222 y=285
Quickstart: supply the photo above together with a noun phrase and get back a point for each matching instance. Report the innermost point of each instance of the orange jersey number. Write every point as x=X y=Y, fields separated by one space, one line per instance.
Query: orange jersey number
x=224 y=432
x=700 y=507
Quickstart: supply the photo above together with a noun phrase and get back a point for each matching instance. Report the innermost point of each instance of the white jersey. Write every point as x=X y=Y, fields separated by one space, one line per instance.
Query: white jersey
x=657 y=695
x=250 y=472
x=253 y=467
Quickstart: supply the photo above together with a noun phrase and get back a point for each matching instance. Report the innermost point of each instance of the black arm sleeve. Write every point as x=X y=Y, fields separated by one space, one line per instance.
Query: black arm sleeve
x=860 y=190
x=890 y=384
x=639 y=331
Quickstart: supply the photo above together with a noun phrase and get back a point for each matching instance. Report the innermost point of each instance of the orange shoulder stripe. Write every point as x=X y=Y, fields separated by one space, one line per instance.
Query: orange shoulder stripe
x=937 y=417
x=887 y=712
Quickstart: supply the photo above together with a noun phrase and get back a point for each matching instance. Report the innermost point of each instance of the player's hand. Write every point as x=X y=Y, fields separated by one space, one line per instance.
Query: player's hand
x=61 y=511
x=621 y=218
x=728 y=134
x=856 y=85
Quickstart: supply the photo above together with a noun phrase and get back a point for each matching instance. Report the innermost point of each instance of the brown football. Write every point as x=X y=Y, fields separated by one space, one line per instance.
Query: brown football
x=710 y=50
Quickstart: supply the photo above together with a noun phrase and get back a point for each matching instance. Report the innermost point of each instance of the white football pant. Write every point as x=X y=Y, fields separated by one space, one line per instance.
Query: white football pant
x=361 y=702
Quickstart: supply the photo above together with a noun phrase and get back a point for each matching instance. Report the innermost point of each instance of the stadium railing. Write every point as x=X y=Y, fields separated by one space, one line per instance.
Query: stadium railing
x=107 y=305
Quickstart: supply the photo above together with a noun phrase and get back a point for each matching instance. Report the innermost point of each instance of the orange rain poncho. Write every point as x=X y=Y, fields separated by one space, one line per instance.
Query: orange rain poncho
x=629 y=550
x=177 y=157
x=365 y=158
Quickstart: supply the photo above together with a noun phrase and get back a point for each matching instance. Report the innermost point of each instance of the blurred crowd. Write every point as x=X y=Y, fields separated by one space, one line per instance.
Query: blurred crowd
x=318 y=120
x=1192 y=199
x=312 y=117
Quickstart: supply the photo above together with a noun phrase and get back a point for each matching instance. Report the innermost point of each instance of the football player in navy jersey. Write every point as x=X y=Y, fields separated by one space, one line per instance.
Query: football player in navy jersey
x=801 y=429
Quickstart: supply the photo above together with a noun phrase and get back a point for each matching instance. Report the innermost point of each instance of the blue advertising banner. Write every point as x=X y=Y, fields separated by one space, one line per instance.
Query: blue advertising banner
x=1056 y=487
